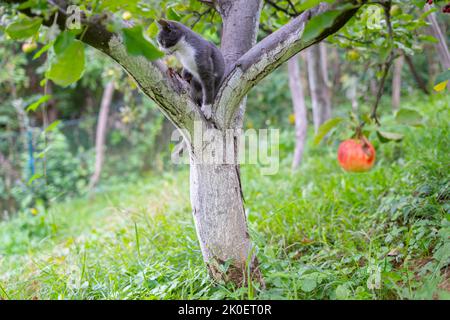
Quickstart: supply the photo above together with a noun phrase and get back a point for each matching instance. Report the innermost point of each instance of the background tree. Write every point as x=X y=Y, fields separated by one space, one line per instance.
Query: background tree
x=397 y=82
x=101 y=133
x=441 y=44
x=319 y=84
x=300 y=111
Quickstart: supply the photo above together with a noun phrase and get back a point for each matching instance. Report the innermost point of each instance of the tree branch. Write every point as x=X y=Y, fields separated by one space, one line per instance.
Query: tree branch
x=207 y=2
x=155 y=80
x=386 y=67
x=420 y=82
x=284 y=10
x=266 y=56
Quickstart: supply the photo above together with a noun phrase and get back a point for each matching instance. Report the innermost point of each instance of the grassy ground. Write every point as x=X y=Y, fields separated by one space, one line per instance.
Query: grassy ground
x=320 y=233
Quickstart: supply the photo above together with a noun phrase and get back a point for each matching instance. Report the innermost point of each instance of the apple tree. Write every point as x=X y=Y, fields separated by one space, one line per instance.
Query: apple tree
x=123 y=30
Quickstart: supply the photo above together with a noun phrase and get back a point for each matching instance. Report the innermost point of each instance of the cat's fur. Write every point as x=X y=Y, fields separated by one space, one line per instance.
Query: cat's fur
x=203 y=63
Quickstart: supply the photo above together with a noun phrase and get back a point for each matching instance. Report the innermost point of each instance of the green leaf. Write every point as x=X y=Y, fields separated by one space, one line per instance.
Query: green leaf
x=136 y=44
x=42 y=154
x=308 y=284
x=325 y=128
x=152 y=30
x=68 y=66
x=63 y=41
x=427 y=13
x=428 y=38
x=384 y=136
x=308 y=4
x=173 y=15
x=23 y=28
x=408 y=117
x=318 y=24
x=34 y=177
x=52 y=126
x=26 y=4
x=35 y=105
x=42 y=50
x=342 y=292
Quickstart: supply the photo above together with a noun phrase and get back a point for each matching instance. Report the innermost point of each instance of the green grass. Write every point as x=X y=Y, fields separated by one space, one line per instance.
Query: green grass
x=320 y=233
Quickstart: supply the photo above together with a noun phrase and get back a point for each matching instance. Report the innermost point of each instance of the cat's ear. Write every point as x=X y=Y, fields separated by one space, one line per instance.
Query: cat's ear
x=163 y=23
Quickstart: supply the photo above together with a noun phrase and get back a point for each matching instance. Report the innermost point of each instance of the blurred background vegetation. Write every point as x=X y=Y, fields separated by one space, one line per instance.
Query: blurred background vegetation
x=395 y=217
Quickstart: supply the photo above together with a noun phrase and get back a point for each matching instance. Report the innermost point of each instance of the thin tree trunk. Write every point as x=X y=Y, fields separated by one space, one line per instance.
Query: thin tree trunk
x=26 y=133
x=327 y=84
x=317 y=86
x=420 y=82
x=101 y=133
x=441 y=45
x=397 y=82
x=337 y=70
x=162 y=140
x=298 y=102
x=8 y=168
x=11 y=177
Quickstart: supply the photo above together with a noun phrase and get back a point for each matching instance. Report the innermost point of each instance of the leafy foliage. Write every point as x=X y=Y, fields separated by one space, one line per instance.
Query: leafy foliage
x=137 y=45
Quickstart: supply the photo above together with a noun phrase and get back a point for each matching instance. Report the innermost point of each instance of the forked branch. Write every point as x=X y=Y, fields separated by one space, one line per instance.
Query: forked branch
x=269 y=54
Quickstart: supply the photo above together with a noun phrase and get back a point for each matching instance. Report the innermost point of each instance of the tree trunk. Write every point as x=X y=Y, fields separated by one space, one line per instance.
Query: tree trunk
x=397 y=82
x=215 y=188
x=101 y=133
x=441 y=45
x=298 y=102
x=220 y=220
x=11 y=177
x=157 y=153
x=337 y=71
x=326 y=80
x=218 y=206
x=318 y=87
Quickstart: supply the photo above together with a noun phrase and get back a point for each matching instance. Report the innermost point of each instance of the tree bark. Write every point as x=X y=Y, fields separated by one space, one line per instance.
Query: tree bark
x=220 y=221
x=11 y=177
x=441 y=45
x=298 y=102
x=327 y=85
x=318 y=87
x=8 y=168
x=337 y=71
x=397 y=82
x=101 y=133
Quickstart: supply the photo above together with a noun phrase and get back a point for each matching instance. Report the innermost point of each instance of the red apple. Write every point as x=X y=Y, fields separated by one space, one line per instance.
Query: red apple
x=356 y=155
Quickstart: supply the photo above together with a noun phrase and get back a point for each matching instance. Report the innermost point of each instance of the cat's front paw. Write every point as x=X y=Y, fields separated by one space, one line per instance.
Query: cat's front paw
x=207 y=111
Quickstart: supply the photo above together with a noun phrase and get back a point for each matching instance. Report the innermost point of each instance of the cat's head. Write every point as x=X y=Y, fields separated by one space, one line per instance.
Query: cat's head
x=170 y=33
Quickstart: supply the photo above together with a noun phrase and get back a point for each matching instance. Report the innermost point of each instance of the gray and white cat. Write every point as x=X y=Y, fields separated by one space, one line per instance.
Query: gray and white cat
x=203 y=63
